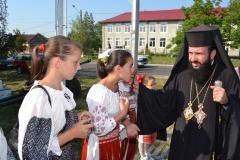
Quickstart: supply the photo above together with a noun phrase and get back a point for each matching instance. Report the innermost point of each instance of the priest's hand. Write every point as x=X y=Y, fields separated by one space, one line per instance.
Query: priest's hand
x=219 y=95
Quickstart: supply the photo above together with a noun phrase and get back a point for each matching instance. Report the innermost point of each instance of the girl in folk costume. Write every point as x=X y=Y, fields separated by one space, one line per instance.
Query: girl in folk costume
x=47 y=117
x=108 y=108
x=128 y=145
x=145 y=141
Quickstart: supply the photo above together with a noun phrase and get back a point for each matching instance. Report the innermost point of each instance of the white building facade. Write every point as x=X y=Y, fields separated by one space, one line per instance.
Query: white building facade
x=156 y=30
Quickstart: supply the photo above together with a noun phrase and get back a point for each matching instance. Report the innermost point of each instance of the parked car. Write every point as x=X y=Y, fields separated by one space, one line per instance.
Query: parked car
x=3 y=64
x=22 y=62
x=142 y=60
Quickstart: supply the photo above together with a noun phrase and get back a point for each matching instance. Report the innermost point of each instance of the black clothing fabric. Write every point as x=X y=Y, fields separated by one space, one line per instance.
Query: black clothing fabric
x=218 y=137
x=188 y=141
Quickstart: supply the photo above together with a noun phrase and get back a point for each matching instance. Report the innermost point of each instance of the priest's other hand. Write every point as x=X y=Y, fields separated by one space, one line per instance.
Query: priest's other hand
x=219 y=95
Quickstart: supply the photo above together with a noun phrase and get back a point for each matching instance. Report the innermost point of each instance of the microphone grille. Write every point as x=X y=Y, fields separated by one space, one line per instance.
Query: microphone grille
x=218 y=83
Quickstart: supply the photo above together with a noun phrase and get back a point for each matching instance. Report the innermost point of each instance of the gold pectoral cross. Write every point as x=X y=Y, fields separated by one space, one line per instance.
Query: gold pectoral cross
x=200 y=115
x=188 y=112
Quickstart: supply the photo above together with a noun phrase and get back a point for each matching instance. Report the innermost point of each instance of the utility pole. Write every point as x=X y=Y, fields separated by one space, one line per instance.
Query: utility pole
x=61 y=17
x=135 y=30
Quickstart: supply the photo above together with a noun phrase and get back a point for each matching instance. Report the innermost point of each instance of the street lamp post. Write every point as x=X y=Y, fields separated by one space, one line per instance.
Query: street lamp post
x=61 y=17
x=135 y=30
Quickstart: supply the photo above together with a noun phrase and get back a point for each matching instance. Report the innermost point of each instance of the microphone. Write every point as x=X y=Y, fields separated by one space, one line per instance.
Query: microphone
x=218 y=83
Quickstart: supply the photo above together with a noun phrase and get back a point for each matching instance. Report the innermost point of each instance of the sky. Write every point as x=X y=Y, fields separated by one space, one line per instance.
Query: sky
x=38 y=16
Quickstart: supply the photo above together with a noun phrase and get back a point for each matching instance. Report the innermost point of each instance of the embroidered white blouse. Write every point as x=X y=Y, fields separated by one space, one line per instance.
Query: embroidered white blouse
x=36 y=105
x=103 y=104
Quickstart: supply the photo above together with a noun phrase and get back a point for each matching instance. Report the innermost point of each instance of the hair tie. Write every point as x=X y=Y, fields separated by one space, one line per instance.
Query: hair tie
x=140 y=78
x=42 y=47
x=104 y=56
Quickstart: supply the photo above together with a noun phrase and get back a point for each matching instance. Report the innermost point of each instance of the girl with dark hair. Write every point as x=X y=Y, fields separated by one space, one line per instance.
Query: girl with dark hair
x=47 y=117
x=107 y=107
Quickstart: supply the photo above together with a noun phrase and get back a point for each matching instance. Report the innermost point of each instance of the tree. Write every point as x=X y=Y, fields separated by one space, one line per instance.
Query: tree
x=231 y=24
x=98 y=34
x=86 y=33
x=15 y=43
x=19 y=41
x=201 y=12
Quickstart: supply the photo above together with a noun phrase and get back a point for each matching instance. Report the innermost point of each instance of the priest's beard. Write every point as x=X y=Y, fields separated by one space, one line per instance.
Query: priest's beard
x=202 y=74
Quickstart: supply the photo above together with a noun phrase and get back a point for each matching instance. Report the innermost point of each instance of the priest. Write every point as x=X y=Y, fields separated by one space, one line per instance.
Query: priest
x=202 y=99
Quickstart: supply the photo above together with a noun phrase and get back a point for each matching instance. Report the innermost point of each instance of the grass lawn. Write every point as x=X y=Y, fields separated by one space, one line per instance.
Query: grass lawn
x=163 y=59
x=15 y=81
x=236 y=62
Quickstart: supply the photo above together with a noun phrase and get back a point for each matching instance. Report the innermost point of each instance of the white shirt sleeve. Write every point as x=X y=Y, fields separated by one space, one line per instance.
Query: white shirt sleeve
x=98 y=104
x=36 y=104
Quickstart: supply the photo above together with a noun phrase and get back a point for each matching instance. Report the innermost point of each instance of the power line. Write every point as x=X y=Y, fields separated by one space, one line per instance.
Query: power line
x=38 y=26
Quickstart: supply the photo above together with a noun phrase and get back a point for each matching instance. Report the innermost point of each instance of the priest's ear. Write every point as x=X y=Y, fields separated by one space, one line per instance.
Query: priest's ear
x=213 y=54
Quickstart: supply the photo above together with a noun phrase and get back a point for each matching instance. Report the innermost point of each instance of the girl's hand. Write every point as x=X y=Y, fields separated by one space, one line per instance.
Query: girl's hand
x=132 y=130
x=84 y=115
x=124 y=105
x=83 y=128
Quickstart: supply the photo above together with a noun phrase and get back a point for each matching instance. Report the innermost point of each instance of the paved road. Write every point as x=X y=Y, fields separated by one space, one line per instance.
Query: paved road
x=89 y=69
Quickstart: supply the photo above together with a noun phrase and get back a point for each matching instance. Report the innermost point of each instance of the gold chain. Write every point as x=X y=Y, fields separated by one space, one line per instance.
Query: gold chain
x=199 y=115
x=198 y=93
x=205 y=92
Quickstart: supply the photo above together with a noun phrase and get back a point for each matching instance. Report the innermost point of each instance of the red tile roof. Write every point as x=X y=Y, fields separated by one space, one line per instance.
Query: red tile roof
x=160 y=15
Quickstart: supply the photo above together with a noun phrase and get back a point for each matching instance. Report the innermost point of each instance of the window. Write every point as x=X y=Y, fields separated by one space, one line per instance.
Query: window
x=126 y=42
x=152 y=42
x=152 y=27
x=142 y=28
x=109 y=42
x=163 y=27
x=118 y=28
x=109 y=28
x=117 y=43
x=127 y=27
x=142 y=42
x=162 y=42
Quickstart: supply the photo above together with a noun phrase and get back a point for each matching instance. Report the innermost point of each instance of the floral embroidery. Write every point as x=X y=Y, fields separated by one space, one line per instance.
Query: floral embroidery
x=101 y=118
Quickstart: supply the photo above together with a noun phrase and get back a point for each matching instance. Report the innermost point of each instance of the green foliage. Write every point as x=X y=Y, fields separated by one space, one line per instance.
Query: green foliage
x=86 y=33
x=231 y=24
x=13 y=43
x=19 y=40
x=201 y=12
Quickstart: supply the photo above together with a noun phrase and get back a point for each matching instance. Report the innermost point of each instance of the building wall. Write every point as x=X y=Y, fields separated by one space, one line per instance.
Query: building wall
x=171 y=30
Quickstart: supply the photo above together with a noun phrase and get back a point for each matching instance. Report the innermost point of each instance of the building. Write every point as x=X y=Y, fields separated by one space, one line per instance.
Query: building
x=156 y=30
x=32 y=40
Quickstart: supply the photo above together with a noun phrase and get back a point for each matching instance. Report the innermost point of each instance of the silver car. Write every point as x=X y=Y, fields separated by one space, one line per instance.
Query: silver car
x=142 y=60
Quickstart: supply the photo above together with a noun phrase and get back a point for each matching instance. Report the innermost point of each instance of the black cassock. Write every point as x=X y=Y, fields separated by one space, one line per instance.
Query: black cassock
x=219 y=134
